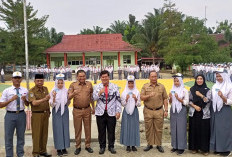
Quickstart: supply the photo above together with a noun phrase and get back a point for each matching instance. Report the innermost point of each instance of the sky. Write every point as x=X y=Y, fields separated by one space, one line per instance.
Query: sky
x=71 y=16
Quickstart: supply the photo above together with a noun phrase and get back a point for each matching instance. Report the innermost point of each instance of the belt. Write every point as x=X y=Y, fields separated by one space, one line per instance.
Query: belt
x=81 y=108
x=41 y=111
x=155 y=108
x=15 y=111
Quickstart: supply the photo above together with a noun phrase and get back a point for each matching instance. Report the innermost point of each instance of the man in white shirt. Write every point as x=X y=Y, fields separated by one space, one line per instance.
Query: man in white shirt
x=14 y=98
x=2 y=76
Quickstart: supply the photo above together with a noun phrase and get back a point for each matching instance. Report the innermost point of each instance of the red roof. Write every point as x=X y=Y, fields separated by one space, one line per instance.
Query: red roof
x=91 y=43
x=220 y=37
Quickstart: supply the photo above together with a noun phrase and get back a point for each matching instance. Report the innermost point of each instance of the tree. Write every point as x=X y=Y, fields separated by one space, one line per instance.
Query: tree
x=148 y=37
x=171 y=25
x=132 y=27
x=117 y=27
x=96 y=30
x=86 y=31
x=11 y=13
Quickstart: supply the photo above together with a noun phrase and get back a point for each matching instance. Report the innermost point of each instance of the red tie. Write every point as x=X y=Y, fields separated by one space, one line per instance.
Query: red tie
x=106 y=93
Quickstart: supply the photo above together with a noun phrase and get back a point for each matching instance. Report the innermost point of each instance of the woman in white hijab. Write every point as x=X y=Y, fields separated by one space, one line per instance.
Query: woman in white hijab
x=221 y=115
x=130 y=118
x=178 y=98
x=60 y=116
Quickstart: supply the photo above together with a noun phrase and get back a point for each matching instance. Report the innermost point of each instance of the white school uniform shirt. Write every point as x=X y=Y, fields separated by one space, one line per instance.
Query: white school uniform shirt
x=230 y=70
x=8 y=93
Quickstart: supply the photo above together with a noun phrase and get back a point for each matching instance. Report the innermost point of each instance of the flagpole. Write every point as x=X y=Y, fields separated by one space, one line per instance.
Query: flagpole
x=26 y=42
x=28 y=112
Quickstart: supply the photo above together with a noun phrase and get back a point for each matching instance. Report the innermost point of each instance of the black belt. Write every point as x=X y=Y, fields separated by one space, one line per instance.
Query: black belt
x=41 y=111
x=81 y=108
x=155 y=108
x=15 y=111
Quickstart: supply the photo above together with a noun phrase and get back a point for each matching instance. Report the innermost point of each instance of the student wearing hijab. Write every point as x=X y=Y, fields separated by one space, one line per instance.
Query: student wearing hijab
x=130 y=118
x=60 y=116
x=179 y=99
x=221 y=115
x=199 y=116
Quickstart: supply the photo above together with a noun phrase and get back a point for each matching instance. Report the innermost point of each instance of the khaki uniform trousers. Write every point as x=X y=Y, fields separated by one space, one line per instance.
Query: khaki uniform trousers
x=84 y=115
x=39 y=124
x=153 y=125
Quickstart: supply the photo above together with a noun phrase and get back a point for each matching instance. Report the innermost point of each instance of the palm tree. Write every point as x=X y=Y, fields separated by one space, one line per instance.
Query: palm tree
x=87 y=31
x=117 y=27
x=149 y=32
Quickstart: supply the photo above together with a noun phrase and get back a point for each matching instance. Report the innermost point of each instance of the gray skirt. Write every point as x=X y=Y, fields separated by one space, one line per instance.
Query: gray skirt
x=178 y=124
x=130 y=129
x=221 y=130
x=61 y=128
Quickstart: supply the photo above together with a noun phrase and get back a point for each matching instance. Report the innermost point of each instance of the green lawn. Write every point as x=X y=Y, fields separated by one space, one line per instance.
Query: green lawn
x=3 y=86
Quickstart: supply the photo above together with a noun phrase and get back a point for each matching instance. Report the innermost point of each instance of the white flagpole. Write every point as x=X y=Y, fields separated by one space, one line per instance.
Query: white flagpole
x=26 y=42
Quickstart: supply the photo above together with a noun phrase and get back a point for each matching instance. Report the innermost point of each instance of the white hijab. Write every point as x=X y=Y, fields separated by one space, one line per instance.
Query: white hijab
x=130 y=106
x=61 y=96
x=224 y=87
x=176 y=105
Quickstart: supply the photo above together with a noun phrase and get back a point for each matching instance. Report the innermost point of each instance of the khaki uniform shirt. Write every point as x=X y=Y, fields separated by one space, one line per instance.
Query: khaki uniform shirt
x=36 y=93
x=157 y=100
x=84 y=96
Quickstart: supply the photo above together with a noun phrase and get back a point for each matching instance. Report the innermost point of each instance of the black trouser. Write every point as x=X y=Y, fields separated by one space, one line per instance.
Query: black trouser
x=105 y=122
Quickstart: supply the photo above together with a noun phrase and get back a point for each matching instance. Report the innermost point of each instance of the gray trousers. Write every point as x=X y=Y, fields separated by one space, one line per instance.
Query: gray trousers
x=95 y=77
x=2 y=79
x=15 y=121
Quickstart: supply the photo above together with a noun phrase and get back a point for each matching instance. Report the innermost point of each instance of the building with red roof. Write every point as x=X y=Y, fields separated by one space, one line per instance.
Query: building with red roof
x=94 y=49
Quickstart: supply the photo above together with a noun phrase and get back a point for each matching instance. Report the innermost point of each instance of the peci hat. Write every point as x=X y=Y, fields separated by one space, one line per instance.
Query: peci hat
x=17 y=74
x=39 y=76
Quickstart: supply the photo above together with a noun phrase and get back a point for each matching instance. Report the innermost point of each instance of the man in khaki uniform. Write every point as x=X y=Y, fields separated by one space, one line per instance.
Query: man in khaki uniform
x=38 y=98
x=82 y=92
x=155 y=97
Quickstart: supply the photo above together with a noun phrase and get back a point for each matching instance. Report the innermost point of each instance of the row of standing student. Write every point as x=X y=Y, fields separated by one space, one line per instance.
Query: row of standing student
x=210 y=115
x=200 y=112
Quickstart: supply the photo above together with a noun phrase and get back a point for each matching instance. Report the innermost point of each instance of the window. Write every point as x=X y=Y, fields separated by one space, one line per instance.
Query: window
x=127 y=59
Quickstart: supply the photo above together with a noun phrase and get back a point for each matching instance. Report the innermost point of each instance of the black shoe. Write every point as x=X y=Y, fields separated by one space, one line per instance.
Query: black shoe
x=64 y=151
x=45 y=154
x=225 y=154
x=216 y=153
x=128 y=149
x=148 y=148
x=59 y=153
x=160 y=149
x=134 y=148
x=180 y=152
x=102 y=151
x=90 y=150
x=77 y=151
x=173 y=150
x=112 y=150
